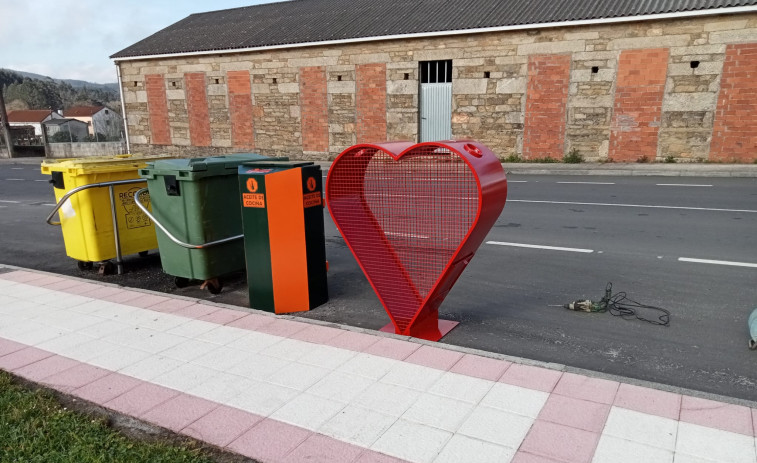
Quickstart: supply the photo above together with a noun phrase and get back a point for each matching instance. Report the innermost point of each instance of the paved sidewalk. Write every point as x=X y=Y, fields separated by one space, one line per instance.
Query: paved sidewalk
x=279 y=390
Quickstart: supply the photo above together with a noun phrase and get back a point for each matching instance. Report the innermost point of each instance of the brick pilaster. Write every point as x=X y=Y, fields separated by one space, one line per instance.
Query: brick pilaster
x=546 y=100
x=197 y=107
x=314 y=109
x=734 y=136
x=637 y=109
x=240 y=109
x=157 y=106
x=371 y=102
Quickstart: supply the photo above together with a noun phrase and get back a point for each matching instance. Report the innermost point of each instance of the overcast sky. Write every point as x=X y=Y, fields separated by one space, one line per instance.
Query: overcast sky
x=72 y=39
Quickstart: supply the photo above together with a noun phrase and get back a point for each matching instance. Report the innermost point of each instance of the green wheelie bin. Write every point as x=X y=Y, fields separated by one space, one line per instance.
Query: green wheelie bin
x=196 y=202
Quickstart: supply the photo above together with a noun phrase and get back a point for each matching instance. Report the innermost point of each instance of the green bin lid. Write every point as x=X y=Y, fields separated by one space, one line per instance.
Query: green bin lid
x=208 y=166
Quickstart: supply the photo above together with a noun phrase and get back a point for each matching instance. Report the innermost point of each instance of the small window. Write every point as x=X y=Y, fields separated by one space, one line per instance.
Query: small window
x=694 y=64
x=106 y=112
x=136 y=84
x=173 y=84
x=436 y=72
x=594 y=69
x=275 y=80
x=487 y=74
x=107 y=122
x=339 y=78
x=407 y=76
x=218 y=81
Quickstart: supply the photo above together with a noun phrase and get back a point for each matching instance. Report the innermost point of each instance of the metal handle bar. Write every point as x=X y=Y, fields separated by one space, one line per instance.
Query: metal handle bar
x=86 y=187
x=141 y=206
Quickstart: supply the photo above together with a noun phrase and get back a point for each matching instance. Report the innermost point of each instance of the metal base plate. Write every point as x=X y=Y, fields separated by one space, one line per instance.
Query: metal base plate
x=445 y=326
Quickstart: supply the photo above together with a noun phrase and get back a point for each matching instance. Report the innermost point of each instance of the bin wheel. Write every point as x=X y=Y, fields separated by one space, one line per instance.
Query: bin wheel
x=143 y=253
x=106 y=268
x=84 y=265
x=214 y=286
x=181 y=282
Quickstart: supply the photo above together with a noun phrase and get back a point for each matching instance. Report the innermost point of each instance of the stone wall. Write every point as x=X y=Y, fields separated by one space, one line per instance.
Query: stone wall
x=654 y=89
x=87 y=150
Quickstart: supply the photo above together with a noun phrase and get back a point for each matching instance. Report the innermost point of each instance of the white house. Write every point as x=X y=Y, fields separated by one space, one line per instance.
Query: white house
x=99 y=118
x=32 y=117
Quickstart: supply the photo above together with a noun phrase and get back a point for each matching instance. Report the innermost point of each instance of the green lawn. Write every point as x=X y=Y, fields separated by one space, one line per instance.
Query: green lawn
x=34 y=427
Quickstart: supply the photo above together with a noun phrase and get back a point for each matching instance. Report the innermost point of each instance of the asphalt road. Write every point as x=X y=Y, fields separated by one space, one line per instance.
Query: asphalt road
x=686 y=244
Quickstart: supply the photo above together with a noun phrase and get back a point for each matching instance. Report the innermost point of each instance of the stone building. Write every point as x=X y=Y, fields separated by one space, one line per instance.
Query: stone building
x=611 y=80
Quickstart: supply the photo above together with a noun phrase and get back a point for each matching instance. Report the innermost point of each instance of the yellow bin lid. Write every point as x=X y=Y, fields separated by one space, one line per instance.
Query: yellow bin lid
x=99 y=164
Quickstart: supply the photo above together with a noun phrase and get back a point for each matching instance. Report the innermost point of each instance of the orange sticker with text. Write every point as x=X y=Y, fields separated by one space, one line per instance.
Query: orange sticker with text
x=253 y=200
x=312 y=199
x=311 y=184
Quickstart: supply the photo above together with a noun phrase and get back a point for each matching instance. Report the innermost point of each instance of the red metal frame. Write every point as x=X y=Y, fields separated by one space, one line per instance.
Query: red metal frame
x=413 y=216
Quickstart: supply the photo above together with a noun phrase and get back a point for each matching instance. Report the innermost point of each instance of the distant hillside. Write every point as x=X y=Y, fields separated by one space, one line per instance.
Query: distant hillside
x=73 y=82
x=25 y=90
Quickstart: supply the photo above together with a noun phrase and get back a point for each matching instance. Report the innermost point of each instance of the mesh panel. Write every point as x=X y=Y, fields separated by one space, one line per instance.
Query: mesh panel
x=403 y=219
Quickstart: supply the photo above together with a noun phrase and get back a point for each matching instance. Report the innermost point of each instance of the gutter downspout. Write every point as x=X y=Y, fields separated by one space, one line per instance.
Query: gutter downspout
x=123 y=108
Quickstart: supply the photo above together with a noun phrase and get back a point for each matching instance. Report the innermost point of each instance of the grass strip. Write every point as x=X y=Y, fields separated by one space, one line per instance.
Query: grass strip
x=34 y=427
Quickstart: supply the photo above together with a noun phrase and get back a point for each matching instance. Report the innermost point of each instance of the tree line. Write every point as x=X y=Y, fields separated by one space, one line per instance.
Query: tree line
x=28 y=93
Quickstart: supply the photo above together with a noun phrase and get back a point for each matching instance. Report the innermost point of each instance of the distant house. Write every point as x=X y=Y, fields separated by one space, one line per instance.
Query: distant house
x=99 y=119
x=32 y=117
x=74 y=129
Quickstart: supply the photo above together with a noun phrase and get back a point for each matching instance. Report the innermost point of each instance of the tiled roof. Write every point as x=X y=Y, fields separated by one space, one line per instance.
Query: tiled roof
x=28 y=115
x=82 y=111
x=312 y=21
x=63 y=121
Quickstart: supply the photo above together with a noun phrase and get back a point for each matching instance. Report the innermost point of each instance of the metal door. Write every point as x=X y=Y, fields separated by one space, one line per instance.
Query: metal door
x=436 y=100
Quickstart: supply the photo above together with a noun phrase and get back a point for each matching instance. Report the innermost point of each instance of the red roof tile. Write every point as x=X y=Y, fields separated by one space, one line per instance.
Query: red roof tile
x=82 y=111
x=28 y=115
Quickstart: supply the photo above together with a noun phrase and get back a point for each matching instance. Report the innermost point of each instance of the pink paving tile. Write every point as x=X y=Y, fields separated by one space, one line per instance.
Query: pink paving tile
x=195 y=310
x=222 y=316
x=316 y=334
x=47 y=280
x=146 y=301
x=8 y=347
x=541 y=379
x=99 y=292
x=576 y=413
x=45 y=367
x=269 y=440
x=180 y=411
x=523 y=457
x=351 y=340
x=322 y=449
x=222 y=426
x=172 y=305
x=123 y=297
x=22 y=277
x=480 y=367
x=583 y=387
x=62 y=284
x=141 y=399
x=84 y=288
x=559 y=442
x=651 y=401
x=283 y=328
x=252 y=321
x=718 y=415
x=22 y=358
x=434 y=357
x=392 y=348
x=369 y=456
x=107 y=388
x=75 y=377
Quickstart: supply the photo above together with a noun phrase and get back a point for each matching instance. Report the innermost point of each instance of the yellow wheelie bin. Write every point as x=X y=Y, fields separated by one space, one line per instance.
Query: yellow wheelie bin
x=86 y=219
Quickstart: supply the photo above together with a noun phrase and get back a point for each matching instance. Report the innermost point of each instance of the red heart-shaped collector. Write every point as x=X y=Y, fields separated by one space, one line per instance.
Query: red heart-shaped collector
x=413 y=215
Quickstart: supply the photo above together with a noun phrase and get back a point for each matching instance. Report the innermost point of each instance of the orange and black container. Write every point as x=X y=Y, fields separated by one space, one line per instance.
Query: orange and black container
x=285 y=248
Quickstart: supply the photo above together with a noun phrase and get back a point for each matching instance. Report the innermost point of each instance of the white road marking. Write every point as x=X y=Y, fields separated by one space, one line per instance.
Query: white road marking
x=46 y=181
x=536 y=246
x=7 y=201
x=17 y=168
x=51 y=205
x=679 y=184
x=517 y=181
x=650 y=206
x=15 y=179
x=717 y=262
x=589 y=183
